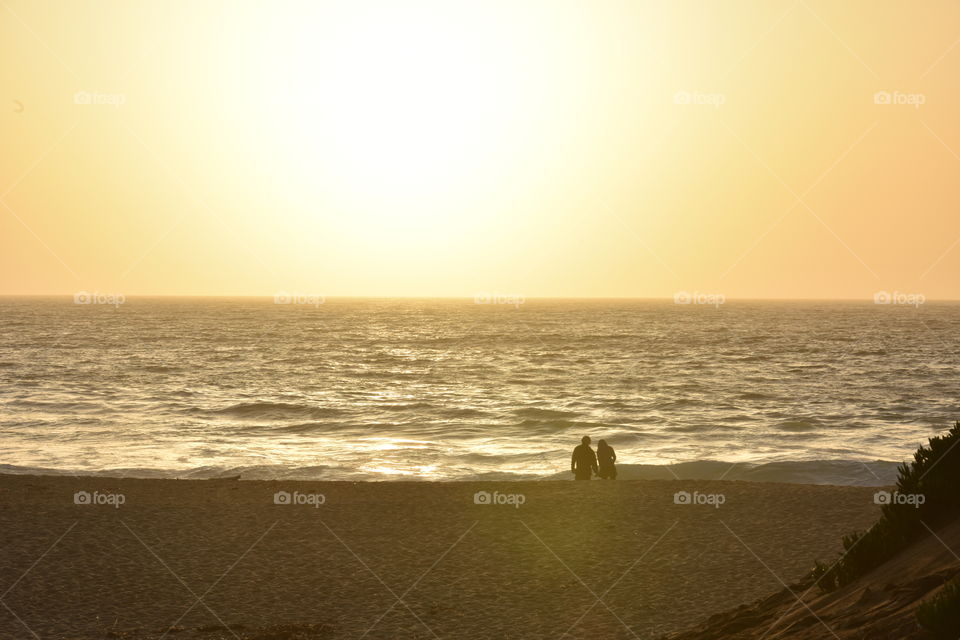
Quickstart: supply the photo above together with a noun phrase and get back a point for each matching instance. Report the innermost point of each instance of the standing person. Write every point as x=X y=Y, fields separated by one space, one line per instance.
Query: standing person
x=606 y=456
x=584 y=461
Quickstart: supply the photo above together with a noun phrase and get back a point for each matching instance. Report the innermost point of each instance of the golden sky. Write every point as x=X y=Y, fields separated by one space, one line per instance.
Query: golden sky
x=445 y=148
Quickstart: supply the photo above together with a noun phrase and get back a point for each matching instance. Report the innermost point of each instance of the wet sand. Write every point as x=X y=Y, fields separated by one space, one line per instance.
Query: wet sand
x=220 y=559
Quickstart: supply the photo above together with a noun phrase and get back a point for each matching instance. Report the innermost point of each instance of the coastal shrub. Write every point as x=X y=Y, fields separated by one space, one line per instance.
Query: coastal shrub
x=927 y=492
x=941 y=614
x=822 y=576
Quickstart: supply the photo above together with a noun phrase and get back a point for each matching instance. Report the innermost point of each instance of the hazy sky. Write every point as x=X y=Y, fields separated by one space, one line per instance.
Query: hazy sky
x=447 y=148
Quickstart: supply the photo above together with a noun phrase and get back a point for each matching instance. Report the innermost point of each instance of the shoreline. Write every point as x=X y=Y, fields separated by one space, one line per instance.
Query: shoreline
x=462 y=567
x=838 y=472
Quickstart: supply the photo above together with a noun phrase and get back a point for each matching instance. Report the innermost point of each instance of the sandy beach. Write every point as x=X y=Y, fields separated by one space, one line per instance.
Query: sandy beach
x=221 y=559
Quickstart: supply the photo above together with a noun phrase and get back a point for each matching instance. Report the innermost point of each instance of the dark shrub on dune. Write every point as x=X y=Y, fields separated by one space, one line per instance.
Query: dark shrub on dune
x=941 y=613
x=934 y=474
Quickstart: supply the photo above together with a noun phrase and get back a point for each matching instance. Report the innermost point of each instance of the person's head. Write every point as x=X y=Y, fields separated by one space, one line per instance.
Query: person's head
x=585 y=440
x=602 y=444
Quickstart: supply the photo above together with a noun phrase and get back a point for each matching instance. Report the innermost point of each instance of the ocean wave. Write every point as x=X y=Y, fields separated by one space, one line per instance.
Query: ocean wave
x=159 y=368
x=680 y=403
x=798 y=425
x=501 y=458
x=410 y=406
x=702 y=428
x=307 y=428
x=751 y=358
x=464 y=412
x=550 y=426
x=756 y=395
x=53 y=406
x=277 y=411
x=540 y=414
x=375 y=375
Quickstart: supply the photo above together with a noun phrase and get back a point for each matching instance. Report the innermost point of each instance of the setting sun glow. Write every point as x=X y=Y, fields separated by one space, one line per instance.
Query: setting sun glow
x=439 y=149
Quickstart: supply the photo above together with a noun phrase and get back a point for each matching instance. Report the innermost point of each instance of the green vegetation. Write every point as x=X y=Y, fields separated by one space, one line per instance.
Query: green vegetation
x=928 y=493
x=941 y=613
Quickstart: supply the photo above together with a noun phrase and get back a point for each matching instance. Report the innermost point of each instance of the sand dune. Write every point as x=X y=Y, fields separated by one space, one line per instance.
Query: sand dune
x=219 y=559
x=881 y=605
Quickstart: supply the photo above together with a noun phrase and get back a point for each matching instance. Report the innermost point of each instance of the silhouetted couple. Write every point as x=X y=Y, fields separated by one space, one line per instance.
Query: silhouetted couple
x=585 y=463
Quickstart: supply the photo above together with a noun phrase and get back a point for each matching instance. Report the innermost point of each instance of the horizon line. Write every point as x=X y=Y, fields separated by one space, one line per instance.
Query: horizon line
x=465 y=297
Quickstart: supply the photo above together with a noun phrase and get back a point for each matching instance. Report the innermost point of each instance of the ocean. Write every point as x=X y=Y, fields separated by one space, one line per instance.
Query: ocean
x=443 y=389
